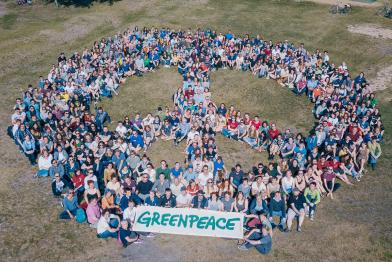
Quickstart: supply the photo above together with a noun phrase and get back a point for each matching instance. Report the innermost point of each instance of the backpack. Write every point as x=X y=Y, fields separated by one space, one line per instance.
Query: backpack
x=80 y=215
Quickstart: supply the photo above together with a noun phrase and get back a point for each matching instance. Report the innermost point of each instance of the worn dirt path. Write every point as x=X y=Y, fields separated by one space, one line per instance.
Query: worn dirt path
x=3 y=9
x=383 y=80
x=371 y=30
x=353 y=3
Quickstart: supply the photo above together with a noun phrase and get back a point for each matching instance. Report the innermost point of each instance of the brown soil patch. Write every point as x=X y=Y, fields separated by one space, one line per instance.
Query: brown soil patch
x=73 y=29
x=371 y=30
x=383 y=80
x=3 y=9
x=353 y=3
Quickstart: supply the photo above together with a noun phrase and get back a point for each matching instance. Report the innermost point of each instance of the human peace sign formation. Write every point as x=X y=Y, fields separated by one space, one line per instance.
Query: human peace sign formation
x=53 y=123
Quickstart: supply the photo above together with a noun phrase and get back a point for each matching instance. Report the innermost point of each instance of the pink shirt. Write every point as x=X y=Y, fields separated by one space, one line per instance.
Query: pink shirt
x=93 y=213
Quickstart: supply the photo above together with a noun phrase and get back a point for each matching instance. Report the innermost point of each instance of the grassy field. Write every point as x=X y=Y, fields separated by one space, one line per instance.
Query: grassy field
x=353 y=227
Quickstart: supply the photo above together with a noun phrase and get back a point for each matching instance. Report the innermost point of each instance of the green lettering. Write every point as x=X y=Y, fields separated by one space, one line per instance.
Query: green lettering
x=155 y=219
x=144 y=219
x=222 y=219
x=202 y=222
x=183 y=221
x=211 y=222
x=173 y=220
x=192 y=220
x=165 y=219
x=230 y=223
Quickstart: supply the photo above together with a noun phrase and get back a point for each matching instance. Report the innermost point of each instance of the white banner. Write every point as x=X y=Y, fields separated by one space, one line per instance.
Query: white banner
x=189 y=221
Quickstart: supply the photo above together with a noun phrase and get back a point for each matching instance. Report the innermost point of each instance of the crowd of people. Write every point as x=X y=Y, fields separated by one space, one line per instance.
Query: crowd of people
x=103 y=175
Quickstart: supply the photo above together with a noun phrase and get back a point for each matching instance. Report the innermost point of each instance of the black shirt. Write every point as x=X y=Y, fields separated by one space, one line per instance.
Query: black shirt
x=124 y=234
x=144 y=187
x=298 y=201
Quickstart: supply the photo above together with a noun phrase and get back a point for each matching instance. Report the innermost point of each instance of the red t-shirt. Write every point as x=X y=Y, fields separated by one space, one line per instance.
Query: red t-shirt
x=334 y=164
x=189 y=93
x=256 y=124
x=273 y=133
x=232 y=124
x=78 y=180
x=321 y=165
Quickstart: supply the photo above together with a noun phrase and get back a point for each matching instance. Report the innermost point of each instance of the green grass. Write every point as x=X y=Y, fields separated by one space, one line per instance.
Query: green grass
x=8 y=20
x=354 y=227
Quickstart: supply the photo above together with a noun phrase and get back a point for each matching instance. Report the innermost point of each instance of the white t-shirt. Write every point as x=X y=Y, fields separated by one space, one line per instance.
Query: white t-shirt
x=121 y=130
x=287 y=184
x=129 y=214
x=45 y=163
x=102 y=225
x=88 y=178
x=259 y=187
x=192 y=134
x=176 y=189
x=182 y=200
x=203 y=178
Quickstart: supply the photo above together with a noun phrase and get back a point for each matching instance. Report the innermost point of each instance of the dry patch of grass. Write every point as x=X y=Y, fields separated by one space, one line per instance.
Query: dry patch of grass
x=76 y=28
x=262 y=97
x=371 y=30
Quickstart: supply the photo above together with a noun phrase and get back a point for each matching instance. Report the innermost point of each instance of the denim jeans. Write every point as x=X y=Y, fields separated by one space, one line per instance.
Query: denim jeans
x=336 y=186
x=108 y=234
x=42 y=173
x=65 y=215
x=262 y=248
x=312 y=210
x=282 y=218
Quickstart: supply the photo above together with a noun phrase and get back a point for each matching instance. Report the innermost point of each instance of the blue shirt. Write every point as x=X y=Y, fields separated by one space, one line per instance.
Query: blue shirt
x=70 y=205
x=176 y=172
x=218 y=165
x=136 y=140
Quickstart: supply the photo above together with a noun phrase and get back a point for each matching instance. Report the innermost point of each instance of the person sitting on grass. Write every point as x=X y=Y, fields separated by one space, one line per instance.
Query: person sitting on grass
x=329 y=181
x=199 y=201
x=127 y=236
x=168 y=199
x=70 y=204
x=296 y=209
x=312 y=196
x=44 y=164
x=259 y=239
x=258 y=220
x=93 y=212
x=277 y=208
x=107 y=225
x=374 y=152
x=58 y=185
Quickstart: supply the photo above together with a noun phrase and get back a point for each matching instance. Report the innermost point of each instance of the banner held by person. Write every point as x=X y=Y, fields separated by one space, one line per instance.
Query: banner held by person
x=188 y=221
